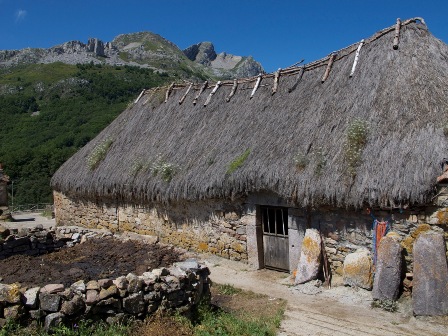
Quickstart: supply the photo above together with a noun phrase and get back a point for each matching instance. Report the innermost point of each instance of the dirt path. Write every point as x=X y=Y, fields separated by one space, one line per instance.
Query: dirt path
x=339 y=311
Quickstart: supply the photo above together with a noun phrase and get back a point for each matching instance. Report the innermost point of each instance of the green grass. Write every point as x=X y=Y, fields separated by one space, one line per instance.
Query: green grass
x=227 y=289
x=83 y=328
x=238 y=162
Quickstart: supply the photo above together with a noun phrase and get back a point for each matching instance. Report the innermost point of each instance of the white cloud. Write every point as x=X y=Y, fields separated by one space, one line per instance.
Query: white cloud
x=20 y=15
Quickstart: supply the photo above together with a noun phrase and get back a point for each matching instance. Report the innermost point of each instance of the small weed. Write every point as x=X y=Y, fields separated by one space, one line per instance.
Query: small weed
x=321 y=161
x=99 y=153
x=387 y=305
x=301 y=161
x=165 y=169
x=238 y=162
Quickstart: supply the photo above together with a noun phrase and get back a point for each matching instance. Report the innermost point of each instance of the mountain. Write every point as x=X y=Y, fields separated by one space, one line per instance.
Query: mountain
x=143 y=49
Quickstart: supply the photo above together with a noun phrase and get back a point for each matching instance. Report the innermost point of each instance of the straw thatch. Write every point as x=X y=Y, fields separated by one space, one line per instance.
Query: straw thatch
x=295 y=141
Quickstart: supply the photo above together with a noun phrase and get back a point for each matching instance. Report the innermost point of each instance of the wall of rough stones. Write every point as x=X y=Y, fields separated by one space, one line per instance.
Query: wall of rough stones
x=178 y=287
x=232 y=230
x=208 y=226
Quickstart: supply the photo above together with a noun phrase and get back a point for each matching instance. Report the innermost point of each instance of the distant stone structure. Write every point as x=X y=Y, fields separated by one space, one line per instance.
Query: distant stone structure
x=4 y=179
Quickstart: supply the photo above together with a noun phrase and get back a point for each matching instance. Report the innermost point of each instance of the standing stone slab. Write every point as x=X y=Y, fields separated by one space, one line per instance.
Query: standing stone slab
x=430 y=286
x=358 y=269
x=49 y=302
x=386 y=284
x=30 y=298
x=309 y=262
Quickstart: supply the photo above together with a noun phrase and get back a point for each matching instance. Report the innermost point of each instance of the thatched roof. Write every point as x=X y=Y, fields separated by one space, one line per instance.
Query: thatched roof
x=292 y=143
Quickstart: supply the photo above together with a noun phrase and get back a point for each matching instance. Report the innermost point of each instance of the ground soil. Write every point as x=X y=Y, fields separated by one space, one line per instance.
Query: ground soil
x=92 y=260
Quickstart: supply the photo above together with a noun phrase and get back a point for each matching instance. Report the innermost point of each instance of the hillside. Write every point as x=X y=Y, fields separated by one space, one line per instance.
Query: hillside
x=53 y=101
x=48 y=111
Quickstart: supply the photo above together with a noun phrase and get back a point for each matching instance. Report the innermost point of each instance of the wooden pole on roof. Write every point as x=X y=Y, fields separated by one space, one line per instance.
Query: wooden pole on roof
x=299 y=78
x=276 y=78
x=181 y=100
x=232 y=92
x=355 y=62
x=139 y=96
x=167 y=94
x=200 y=91
x=257 y=84
x=397 y=34
x=329 y=66
x=212 y=93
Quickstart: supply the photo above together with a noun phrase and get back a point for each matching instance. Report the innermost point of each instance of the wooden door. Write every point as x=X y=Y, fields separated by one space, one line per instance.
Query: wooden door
x=274 y=221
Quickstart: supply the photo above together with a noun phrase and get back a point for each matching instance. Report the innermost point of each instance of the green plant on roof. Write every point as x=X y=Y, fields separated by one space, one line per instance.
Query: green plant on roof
x=99 y=153
x=165 y=169
x=445 y=129
x=356 y=140
x=238 y=162
x=300 y=161
x=321 y=161
x=138 y=166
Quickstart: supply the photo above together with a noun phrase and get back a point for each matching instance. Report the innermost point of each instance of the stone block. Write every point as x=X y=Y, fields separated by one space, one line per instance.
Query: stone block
x=30 y=298
x=13 y=312
x=430 y=284
x=52 y=288
x=79 y=287
x=53 y=320
x=134 y=303
x=358 y=269
x=108 y=292
x=92 y=297
x=73 y=306
x=10 y=293
x=310 y=257
x=386 y=284
x=49 y=302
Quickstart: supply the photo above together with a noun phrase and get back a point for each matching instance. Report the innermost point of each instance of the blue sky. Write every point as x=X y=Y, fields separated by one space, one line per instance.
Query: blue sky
x=276 y=33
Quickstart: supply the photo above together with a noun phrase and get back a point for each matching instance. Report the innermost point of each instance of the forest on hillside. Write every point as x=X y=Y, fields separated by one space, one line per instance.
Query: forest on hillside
x=49 y=111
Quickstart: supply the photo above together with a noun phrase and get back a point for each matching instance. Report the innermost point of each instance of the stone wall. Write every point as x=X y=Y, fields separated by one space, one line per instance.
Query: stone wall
x=234 y=231
x=208 y=226
x=179 y=287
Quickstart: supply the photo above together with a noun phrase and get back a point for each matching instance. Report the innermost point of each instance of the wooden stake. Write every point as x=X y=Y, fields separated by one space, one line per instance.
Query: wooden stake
x=232 y=93
x=167 y=94
x=212 y=93
x=200 y=91
x=139 y=96
x=181 y=100
x=299 y=78
x=257 y=84
x=329 y=66
x=355 y=62
x=397 y=34
x=276 y=78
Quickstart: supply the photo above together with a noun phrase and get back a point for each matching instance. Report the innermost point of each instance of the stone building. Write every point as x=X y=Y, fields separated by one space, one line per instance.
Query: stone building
x=4 y=179
x=242 y=168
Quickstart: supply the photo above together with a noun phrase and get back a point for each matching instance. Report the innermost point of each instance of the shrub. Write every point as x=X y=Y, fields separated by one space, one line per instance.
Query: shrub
x=386 y=304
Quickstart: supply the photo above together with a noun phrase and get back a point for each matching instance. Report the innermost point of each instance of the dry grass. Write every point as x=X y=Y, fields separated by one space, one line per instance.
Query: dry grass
x=400 y=94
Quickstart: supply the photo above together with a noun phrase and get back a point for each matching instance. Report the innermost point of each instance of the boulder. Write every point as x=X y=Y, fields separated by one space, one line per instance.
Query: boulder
x=135 y=283
x=121 y=282
x=105 y=283
x=430 y=284
x=49 y=302
x=386 y=284
x=92 y=297
x=358 y=269
x=30 y=298
x=310 y=257
x=10 y=293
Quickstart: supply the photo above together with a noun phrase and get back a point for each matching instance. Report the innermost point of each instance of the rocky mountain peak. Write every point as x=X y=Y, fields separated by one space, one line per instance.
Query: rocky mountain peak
x=202 y=53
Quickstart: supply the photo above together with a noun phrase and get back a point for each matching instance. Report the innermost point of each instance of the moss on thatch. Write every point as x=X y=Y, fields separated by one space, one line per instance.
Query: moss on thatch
x=400 y=94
